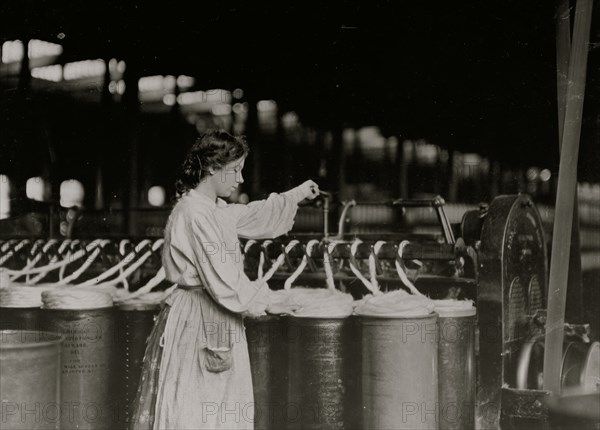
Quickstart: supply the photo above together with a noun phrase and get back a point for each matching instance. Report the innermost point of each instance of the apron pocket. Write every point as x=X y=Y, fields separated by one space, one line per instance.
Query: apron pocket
x=218 y=360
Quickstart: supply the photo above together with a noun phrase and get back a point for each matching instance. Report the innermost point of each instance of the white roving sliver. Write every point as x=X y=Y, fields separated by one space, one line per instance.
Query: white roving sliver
x=395 y=304
x=75 y=298
x=454 y=308
x=311 y=303
x=18 y=296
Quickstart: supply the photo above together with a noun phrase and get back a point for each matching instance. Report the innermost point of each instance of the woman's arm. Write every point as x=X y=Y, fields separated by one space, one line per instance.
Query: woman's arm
x=265 y=219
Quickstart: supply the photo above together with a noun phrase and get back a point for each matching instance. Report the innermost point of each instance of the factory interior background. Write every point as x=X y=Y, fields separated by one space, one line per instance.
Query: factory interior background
x=100 y=102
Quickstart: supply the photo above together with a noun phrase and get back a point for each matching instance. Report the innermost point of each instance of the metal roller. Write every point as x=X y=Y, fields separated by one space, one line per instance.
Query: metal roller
x=399 y=372
x=580 y=365
x=323 y=373
x=135 y=322
x=89 y=365
x=268 y=351
x=30 y=377
x=456 y=370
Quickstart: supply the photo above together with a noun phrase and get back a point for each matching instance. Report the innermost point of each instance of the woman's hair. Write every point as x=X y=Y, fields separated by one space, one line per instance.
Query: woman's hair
x=213 y=150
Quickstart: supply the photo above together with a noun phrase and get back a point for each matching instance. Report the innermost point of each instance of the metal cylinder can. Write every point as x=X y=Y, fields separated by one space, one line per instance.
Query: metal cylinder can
x=267 y=348
x=20 y=307
x=88 y=367
x=399 y=372
x=320 y=369
x=19 y=318
x=353 y=364
x=456 y=369
x=30 y=366
x=135 y=322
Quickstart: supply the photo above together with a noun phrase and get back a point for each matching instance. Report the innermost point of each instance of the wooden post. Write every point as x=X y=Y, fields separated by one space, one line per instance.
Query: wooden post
x=106 y=104
x=24 y=71
x=398 y=166
x=454 y=175
x=131 y=107
x=337 y=160
x=495 y=173
x=285 y=174
x=567 y=186
x=574 y=306
x=24 y=137
x=321 y=168
x=252 y=134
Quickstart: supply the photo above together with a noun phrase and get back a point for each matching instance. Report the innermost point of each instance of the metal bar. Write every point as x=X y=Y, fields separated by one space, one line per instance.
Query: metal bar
x=421 y=281
x=567 y=186
x=448 y=234
x=563 y=47
x=409 y=203
x=326 y=199
x=131 y=105
x=574 y=306
x=252 y=135
x=343 y=216
x=389 y=251
x=416 y=203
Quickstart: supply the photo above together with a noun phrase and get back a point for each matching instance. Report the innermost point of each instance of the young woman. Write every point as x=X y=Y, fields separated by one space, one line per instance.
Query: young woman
x=196 y=370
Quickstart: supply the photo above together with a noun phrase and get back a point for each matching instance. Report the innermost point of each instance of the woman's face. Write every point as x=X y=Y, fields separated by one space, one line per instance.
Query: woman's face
x=228 y=178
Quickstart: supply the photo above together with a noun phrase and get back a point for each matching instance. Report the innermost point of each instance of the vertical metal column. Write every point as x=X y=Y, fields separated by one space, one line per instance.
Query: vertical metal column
x=131 y=107
x=574 y=305
x=567 y=186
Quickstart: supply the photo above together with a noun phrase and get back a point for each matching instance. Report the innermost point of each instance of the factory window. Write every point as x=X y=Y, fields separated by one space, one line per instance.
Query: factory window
x=4 y=197
x=84 y=69
x=117 y=87
x=371 y=143
x=71 y=193
x=52 y=73
x=157 y=83
x=266 y=106
x=218 y=96
x=12 y=50
x=240 y=108
x=40 y=48
x=238 y=93
x=267 y=116
x=156 y=196
x=545 y=175
x=116 y=69
x=221 y=109
x=35 y=188
x=169 y=99
x=184 y=81
x=289 y=120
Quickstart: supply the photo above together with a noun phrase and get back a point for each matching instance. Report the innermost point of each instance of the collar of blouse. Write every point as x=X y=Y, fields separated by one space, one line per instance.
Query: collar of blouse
x=200 y=198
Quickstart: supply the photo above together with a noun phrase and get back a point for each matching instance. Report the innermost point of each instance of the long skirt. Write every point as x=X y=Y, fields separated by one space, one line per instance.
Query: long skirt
x=196 y=372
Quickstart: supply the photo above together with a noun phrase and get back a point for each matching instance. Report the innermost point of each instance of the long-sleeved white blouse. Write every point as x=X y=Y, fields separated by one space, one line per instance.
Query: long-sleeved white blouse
x=202 y=249
x=202 y=245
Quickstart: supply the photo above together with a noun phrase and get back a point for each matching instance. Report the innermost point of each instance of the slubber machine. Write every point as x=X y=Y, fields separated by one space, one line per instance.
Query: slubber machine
x=487 y=376
x=496 y=256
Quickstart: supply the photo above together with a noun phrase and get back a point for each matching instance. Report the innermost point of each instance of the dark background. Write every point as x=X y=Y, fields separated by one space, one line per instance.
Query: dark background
x=475 y=76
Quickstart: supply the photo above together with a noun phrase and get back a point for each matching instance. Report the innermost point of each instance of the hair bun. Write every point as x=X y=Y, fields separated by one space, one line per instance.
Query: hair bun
x=213 y=150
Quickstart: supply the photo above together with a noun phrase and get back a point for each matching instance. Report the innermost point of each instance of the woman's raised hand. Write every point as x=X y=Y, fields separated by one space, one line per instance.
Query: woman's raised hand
x=309 y=189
